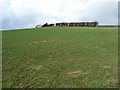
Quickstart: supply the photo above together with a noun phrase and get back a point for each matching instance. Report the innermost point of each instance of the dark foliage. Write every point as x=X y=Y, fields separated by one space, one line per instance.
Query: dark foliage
x=77 y=24
x=47 y=25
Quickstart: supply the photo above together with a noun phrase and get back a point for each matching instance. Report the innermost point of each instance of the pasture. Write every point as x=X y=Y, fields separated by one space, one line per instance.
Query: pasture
x=60 y=57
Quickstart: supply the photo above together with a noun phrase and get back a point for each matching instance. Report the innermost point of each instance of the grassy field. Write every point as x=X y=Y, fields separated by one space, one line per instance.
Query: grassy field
x=80 y=57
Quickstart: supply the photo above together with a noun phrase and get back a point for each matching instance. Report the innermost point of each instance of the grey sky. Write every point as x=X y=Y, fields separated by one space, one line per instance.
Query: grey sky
x=28 y=13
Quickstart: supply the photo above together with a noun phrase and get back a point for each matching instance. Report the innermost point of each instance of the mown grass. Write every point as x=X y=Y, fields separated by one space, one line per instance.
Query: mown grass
x=80 y=57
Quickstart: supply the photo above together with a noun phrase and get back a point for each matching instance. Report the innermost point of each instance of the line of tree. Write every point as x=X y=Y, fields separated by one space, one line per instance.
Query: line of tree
x=77 y=24
x=89 y=24
x=47 y=25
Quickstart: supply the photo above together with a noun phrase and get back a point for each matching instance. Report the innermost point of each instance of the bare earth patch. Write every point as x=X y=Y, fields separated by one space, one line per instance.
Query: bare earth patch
x=74 y=74
x=37 y=67
x=44 y=41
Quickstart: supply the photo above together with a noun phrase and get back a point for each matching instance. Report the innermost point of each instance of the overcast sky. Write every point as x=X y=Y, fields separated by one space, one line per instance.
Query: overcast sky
x=16 y=14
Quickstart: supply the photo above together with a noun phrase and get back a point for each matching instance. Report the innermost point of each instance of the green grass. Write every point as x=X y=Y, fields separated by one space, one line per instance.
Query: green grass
x=82 y=57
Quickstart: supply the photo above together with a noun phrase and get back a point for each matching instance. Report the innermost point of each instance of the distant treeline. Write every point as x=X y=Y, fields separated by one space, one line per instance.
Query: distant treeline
x=82 y=24
x=78 y=24
x=47 y=25
x=89 y=24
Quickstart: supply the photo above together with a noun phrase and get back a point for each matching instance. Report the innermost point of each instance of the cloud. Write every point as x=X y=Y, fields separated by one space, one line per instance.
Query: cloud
x=28 y=13
x=104 y=12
